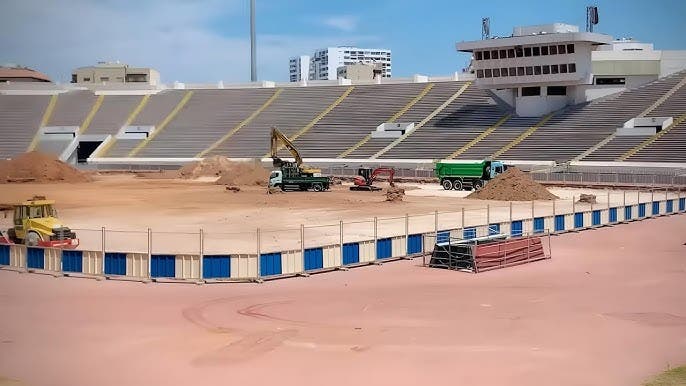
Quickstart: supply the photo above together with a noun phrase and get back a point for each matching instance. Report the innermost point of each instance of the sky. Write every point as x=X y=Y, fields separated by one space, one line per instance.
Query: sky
x=205 y=41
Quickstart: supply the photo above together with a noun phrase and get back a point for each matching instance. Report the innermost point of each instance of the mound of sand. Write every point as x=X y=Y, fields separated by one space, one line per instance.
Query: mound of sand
x=395 y=194
x=41 y=168
x=513 y=185
x=229 y=172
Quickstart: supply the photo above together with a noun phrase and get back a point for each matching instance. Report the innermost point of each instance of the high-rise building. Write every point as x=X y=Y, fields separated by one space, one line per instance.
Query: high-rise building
x=299 y=68
x=325 y=62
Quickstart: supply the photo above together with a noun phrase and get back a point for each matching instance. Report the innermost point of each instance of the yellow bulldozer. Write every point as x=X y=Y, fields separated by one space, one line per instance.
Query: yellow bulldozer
x=36 y=224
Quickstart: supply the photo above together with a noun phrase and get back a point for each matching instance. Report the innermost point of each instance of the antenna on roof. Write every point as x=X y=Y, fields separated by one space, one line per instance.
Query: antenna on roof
x=485 y=28
x=591 y=17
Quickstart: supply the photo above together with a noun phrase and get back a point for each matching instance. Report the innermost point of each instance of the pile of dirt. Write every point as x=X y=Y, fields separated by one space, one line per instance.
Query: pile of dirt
x=39 y=168
x=395 y=194
x=513 y=185
x=229 y=172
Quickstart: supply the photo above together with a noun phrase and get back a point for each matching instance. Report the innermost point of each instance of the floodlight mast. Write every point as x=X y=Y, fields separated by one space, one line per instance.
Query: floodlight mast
x=253 y=50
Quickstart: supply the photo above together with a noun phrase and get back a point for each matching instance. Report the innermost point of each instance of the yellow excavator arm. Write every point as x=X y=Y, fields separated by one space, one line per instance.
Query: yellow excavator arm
x=277 y=137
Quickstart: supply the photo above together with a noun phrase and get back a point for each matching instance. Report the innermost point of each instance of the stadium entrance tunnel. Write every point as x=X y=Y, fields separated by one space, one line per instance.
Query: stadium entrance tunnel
x=85 y=149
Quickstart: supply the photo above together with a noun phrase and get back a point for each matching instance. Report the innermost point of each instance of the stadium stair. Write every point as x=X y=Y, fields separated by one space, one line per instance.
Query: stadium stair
x=44 y=121
x=241 y=124
x=91 y=114
x=394 y=118
x=163 y=124
x=652 y=139
x=523 y=136
x=663 y=98
x=424 y=121
x=480 y=137
x=319 y=117
x=134 y=113
x=595 y=147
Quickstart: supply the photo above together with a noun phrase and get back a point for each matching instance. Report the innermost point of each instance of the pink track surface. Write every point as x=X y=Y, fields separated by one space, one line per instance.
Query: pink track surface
x=608 y=309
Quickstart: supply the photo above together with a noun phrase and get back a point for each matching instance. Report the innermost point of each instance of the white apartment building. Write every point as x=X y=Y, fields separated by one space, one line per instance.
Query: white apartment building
x=324 y=63
x=299 y=68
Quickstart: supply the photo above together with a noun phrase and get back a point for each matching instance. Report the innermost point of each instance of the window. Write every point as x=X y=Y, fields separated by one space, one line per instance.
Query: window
x=479 y=74
x=488 y=73
x=503 y=54
x=563 y=68
x=496 y=73
x=553 y=69
x=487 y=55
x=529 y=70
x=537 y=70
x=561 y=49
x=536 y=51
x=544 y=50
x=494 y=54
x=520 y=71
x=531 y=91
x=527 y=51
x=513 y=71
x=553 y=50
x=503 y=71
x=511 y=53
x=104 y=78
x=571 y=67
x=557 y=90
x=570 y=48
x=86 y=79
x=546 y=69
x=610 y=81
x=477 y=55
x=519 y=52
x=73 y=78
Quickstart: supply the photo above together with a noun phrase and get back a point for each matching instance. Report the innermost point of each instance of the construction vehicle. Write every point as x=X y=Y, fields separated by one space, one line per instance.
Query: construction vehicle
x=461 y=175
x=366 y=176
x=293 y=175
x=36 y=224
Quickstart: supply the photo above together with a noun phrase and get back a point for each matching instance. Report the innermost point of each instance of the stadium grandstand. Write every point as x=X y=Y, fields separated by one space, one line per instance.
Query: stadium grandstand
x=546 y=94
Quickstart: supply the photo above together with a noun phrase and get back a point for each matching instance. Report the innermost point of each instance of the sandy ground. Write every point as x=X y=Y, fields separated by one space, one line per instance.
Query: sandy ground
x=608 y=309
x=176 y=210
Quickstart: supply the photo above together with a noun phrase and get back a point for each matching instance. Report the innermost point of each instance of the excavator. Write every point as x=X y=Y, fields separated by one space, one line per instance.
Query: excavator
x=293 y=175
x=365 y=177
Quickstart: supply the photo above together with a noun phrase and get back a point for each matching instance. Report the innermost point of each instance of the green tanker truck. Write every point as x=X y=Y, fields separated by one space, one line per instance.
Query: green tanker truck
x=460 y=175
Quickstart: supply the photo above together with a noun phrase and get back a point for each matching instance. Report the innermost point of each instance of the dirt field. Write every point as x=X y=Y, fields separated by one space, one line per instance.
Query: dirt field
x=175 y=210
x=608 y=309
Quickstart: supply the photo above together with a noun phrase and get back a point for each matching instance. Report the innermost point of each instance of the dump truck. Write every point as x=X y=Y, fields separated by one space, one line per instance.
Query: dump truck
x=293 y=175
x=461 y=175
x=36 y=224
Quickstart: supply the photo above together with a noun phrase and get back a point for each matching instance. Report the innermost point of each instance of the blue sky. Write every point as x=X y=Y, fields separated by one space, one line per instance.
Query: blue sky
x=207 y=40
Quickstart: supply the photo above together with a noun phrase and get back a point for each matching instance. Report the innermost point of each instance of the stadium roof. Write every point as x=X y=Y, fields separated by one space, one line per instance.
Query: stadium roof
x=9 y=73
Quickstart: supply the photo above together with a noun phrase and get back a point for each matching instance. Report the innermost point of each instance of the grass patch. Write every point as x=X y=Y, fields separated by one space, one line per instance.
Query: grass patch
x=671 y=377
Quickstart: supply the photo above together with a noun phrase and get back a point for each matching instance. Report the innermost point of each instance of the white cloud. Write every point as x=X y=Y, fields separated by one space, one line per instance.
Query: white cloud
x=176 y=37
x=345 y=23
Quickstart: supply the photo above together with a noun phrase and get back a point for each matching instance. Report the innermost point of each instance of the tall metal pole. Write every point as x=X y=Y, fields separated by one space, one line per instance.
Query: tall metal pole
x=253 y=50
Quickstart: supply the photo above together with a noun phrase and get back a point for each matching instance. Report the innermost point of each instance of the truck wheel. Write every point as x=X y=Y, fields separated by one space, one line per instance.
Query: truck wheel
x=457 y=185
x=32 y=239
x=478 y=184
x=317 y=187
x=447 y=184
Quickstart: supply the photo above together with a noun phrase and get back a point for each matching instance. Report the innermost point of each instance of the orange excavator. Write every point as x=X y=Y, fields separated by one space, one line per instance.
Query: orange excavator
x=364 y=180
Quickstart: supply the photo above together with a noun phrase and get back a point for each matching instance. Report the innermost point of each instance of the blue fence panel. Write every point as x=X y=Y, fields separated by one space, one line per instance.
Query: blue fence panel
x=414 y=244
x=443 y=237
x=642 y=210
x=682 y=204
x=627 y=213
x=493 y=229
x=351 y=252
x=469 y=233
x=270 y=264
x=656 y=208
x=578 y=220
x=115 y=263
x=163 y=266
x=216 y=267
x=670 y=206
x=4 y=255
x=314 y=259
x=35 y=258
x=384 y=248
x=559 y=222
x=72 y=261
x=539 y=225
x=595 y=217
x=517 y=228
x=613 y=214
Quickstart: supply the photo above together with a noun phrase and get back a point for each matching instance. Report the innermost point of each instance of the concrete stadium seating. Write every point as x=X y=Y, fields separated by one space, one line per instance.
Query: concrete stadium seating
x=122 y=147
x=616 y=147
x=504 y=134
x=158 y=107
x=72 y=108
x=113 y=112
x=20 y=117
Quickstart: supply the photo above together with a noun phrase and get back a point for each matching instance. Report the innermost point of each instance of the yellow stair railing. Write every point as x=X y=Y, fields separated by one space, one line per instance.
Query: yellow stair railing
x=91 y=114
x=158 y=129
x=523 y=136
x=47 y=114
x=480 y=137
